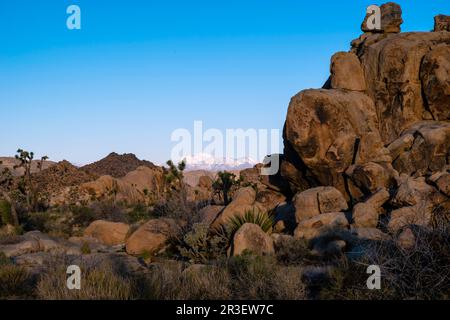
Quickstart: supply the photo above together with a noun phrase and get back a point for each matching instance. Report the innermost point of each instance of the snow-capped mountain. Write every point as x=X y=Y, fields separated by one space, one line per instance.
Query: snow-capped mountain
x=209 y=163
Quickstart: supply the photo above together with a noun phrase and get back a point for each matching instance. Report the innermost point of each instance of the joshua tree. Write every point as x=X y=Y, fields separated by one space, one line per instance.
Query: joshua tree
x=174 y=177
x=26 y=159
x=6 y=183
x=224 y=184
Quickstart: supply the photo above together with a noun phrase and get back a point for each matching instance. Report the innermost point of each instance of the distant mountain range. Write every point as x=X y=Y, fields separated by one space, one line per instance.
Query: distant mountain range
x=207 y=162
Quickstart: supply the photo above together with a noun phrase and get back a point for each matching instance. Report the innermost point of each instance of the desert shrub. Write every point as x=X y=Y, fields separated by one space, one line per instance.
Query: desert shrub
x=261 y=278
x=262 y=219
x=168 y=281
x=100 y=282
x=199 y=246
x=109 y=210
x=15 y=281
x=293 y=252
x=85 y=248
x=176 y=206
x=139 y=213
x=225 y=184
x=5 y=213
x=4 y=260
x=82 y=216
x=52 y=222
x=419 y=273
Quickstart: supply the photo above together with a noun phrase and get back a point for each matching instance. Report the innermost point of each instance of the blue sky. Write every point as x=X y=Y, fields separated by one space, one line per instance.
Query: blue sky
x=138 y=70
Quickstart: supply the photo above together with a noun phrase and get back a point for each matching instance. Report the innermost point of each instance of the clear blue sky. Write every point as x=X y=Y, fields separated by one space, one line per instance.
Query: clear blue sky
x=140 y=69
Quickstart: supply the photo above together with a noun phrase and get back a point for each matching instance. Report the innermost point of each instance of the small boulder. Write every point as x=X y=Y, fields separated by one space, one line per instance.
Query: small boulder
x=366 y=214
x=414 y=215
x=152 y=236
x=314 y=227
x=441 y=23
x=316 y=201
x=250 y=237
x=109 y=233
x=371 y=176
x=442 y=182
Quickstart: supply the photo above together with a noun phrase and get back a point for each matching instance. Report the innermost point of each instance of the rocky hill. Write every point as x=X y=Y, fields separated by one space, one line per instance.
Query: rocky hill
x=116 y=165
x=10 y=162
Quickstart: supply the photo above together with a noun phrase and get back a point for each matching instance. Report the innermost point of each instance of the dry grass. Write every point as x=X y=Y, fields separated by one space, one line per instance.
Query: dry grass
x=99 y=282
x=421 y=273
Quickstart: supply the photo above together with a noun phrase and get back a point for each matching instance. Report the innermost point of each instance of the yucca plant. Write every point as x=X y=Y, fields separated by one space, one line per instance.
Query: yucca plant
x=263 y=219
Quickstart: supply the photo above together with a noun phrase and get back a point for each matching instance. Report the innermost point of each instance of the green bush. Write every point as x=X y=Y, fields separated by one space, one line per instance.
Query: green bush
x=262 y=219
x=5 y=213
x=198 y=246
x=15 y=282
x=139 y=213
x=82 y=216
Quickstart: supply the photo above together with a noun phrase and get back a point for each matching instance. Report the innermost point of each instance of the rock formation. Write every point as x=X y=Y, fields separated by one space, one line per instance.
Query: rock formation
x=377 y=133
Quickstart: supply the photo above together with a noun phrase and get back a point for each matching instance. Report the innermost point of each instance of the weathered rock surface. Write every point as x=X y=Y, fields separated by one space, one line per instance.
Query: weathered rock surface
x=392 y=65
x=250 y=237
x=152 y=236
x=314 y=227
x=244 y=200
x=366 y=214
x=435 y=74
x=209 y=214
x=316 y=201
x=442 y=23
x=430 y=149
x=418 y=202
x=346 y=72
x=330 y=130
x=370 y=177
x=442 y=182
x=109 y=233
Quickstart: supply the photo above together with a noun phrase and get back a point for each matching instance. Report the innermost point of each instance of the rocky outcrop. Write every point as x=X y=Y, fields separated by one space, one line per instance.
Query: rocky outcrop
x=331 y=130
x=251 y=238
x=392 y=66
x=378 y=132
x=441 y=23
x=109 y=233
x=141 y=185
